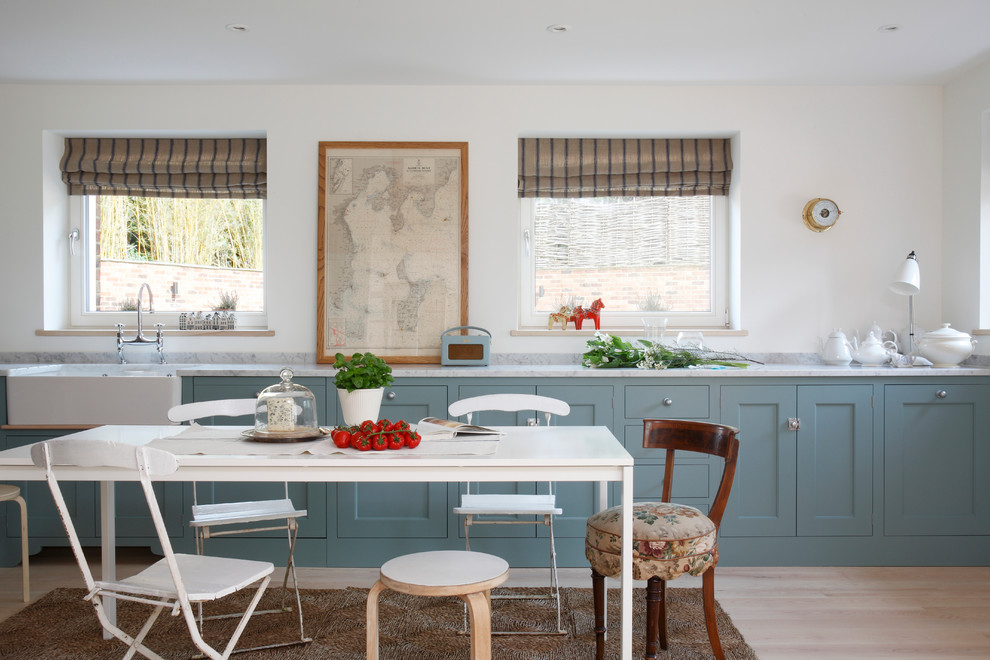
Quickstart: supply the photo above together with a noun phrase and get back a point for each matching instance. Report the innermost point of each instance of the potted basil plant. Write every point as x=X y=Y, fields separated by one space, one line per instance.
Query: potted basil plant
x=361 y=381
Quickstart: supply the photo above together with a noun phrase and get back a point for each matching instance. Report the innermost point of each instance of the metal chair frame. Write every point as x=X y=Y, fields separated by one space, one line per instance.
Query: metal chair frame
x=207 y=516
x=543 y=507
x=173 y=583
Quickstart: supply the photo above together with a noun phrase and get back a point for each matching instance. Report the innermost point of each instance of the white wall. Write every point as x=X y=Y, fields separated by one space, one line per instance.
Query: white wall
x=877 y=151
x=967 y=201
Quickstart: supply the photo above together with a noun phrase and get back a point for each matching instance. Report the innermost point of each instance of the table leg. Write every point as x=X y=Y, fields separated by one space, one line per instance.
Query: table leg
x=108 y=545
x=626 y=558
x=602 y=505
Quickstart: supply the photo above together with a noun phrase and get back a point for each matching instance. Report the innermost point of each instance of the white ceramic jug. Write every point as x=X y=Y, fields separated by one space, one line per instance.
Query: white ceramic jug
x=835 y=349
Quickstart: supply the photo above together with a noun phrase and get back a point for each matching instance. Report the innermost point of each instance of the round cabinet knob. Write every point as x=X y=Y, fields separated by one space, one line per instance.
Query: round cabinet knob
x=941 y=394
x=390 y=395
x=668 y=401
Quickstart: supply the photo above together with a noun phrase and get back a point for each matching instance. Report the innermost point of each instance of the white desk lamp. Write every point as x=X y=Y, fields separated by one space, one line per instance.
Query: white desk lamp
x=907 y=282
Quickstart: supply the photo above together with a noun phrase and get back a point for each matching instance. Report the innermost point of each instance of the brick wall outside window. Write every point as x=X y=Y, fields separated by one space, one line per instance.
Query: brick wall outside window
x=176 y=288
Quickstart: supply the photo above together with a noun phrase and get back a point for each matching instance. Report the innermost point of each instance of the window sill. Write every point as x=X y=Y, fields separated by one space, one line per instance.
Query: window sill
x=99 y=332
x=671 y=332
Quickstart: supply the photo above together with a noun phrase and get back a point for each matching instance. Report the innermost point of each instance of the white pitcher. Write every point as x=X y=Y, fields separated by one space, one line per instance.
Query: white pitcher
x=835 y=350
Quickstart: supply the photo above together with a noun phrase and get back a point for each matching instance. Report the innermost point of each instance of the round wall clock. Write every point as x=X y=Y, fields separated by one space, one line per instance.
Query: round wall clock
x=820 y=214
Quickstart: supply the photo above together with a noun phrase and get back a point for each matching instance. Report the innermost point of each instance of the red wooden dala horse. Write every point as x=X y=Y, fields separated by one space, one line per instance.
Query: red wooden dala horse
x=580 y=314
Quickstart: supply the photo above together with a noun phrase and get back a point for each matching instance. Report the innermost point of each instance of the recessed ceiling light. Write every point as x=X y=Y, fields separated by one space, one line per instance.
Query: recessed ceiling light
x=238 y=27
x=558 y=28
x=889 y=28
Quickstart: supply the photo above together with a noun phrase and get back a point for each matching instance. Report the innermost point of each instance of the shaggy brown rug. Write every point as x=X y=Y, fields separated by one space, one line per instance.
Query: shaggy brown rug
x=62 y=626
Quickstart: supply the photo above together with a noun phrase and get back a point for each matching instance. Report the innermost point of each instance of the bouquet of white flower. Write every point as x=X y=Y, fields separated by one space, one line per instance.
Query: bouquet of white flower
x=609 y=351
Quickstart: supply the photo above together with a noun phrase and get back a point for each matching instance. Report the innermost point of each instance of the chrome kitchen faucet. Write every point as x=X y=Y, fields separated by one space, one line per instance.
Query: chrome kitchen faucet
x=140 y=339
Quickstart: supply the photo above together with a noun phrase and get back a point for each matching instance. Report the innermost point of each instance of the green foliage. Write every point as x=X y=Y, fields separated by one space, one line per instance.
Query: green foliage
x=363 y=371
x=225 y=233
x=608 y=351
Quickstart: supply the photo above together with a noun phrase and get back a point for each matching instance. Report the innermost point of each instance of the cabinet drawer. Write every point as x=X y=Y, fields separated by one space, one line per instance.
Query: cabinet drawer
x=667 y=401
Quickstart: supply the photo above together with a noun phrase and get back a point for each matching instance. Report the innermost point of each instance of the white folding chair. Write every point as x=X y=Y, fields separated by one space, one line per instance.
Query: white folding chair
x=542 y=506
x=243 y=516
x=177 y=580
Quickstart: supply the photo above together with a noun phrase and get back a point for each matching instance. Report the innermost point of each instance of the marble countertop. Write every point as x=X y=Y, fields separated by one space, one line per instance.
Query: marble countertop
x=804 y=368
x=577 y=371
x=540 y=371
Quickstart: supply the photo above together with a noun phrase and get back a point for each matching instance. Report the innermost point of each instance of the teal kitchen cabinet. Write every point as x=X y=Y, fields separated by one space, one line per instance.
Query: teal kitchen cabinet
x=397 y=510
x=824 y=478
x=134 y=525
x=44 y=524
x=936 y=460
x=310 y=496
x=696 y=478
x=835 y=460
x=805 y=463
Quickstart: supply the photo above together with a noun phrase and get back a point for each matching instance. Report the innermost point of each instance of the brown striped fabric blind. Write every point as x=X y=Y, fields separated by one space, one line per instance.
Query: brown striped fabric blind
x=586 y=167
x=148 y=167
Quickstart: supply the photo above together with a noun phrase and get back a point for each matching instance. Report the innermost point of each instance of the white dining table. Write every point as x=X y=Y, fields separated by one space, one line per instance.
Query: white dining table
x=548 y=453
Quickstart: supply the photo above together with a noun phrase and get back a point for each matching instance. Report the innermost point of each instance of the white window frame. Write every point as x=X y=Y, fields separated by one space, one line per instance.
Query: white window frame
x=82 y=271
x=718 y=317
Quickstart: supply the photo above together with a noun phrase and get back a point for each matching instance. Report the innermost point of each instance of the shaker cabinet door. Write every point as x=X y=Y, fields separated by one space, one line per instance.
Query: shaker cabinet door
x=936 y=460
x=397 y=510
x=835 y=460
x=763 y=497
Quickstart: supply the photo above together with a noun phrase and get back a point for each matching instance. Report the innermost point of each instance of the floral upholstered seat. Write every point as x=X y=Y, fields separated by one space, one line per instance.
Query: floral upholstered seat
x=669 y=541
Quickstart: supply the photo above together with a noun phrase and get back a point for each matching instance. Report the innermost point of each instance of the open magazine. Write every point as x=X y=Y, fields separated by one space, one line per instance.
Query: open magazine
x=434 y=428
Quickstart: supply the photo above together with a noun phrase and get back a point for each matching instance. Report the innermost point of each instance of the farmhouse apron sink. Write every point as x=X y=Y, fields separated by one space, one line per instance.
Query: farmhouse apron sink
x=81 y=394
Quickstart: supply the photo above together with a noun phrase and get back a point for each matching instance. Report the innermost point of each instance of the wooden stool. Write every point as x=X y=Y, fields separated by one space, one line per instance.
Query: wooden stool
x=468 y=575
x=13 y=493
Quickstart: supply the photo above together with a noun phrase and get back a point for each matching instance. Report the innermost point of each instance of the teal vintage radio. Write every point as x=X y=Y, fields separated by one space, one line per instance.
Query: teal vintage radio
x=465 y=350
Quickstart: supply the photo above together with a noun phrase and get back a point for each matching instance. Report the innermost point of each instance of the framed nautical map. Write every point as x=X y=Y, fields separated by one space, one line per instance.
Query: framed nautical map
x=392 y=248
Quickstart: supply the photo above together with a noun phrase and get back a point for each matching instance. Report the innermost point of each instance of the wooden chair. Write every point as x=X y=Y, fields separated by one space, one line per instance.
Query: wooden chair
x=9 y=493
x=668 y=539
x=242 y=517
x=176 y=581
x=468 y=575
x=542 y=506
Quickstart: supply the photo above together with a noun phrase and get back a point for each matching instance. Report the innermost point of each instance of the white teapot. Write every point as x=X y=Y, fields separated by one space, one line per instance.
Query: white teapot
x=835 y=349
x=873 y=352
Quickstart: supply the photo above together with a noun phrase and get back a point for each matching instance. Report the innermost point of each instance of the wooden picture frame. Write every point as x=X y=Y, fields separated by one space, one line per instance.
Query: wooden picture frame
x=392 y=241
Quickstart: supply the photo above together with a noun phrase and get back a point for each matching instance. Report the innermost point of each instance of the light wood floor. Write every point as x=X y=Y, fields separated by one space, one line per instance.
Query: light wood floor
x=784 y=613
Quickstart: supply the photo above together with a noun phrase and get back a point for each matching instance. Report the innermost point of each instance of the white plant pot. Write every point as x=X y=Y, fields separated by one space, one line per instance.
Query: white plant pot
x=360 y=405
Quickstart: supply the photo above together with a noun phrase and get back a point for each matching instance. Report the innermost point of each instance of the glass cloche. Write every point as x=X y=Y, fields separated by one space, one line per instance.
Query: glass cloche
x=286 y=410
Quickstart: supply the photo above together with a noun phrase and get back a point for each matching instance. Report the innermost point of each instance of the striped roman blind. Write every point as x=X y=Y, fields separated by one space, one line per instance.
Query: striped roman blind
x=592 y=167
x=151 y=167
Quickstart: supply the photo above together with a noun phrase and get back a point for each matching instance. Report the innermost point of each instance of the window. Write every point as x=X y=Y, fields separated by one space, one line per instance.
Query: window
x=195 y=254
x=185 y=216
x=643 y=256
x=640 y=224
